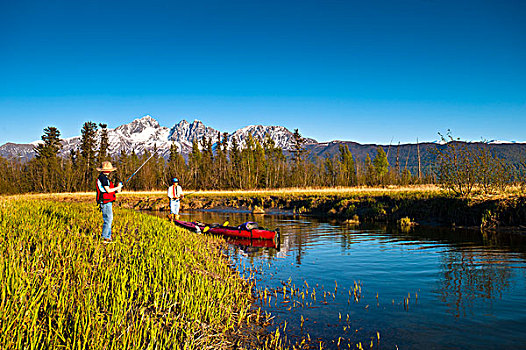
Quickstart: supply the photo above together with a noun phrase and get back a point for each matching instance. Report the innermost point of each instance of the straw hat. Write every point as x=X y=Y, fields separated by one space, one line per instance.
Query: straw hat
x=106 y=166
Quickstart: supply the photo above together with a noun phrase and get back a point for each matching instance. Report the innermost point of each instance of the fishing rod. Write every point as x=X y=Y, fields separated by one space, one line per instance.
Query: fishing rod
x=136 y=171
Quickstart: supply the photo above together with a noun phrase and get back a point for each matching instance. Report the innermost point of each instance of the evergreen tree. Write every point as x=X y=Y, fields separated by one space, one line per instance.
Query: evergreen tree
x=299 y=155
x=124 y=167
x=222 y=161
x=69 y=178
x=406 y=177
x=381 y=165
x=103 y=144
x=329 y=171
x=248 y=164
x=176 y=166
x=47 y=169
x=298 y=147
x=276 y=166
x=260 y=164
x=88 y=144
x=133 y=162
x=235 y=161
x=194 y=162
x=208 y=178
x=52 y=143
x=369 y=172
x=347 y=168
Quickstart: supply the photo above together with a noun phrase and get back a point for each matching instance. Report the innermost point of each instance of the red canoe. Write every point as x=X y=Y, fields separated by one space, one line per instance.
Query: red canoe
x=230 y=231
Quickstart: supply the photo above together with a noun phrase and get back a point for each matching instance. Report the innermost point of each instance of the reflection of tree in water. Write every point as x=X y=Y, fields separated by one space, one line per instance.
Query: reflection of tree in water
x=297 y=240
x=299 y=237
x=346 y=240
x=472 y=276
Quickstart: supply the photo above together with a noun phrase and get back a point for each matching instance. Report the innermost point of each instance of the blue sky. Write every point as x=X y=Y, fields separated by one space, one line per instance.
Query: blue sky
x=366 y=71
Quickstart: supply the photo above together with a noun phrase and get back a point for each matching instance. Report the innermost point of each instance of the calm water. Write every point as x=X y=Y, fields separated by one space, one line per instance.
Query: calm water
x=428 y=288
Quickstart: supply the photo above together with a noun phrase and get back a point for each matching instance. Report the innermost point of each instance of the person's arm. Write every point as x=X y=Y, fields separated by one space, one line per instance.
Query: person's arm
x=114 y=189
x=105 y=184
x=180 y=191
x=170 y=192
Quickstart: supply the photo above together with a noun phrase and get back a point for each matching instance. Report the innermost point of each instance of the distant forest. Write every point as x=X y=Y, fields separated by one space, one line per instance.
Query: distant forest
x=457 y=166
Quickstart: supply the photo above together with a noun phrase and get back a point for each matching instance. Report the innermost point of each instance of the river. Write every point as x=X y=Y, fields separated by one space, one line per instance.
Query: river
x=425 y=288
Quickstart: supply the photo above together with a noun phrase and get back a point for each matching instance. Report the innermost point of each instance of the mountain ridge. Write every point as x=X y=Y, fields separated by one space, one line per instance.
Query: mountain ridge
x=145 y=133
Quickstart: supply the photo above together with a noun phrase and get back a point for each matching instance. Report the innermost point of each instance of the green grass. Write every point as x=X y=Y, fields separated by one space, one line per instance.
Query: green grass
x=156 y=287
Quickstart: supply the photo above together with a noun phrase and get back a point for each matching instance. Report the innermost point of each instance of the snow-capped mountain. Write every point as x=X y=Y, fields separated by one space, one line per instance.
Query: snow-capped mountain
x=281 y=136
x=490 y=142
x=144 y=134
x=183 y=134
x=501 y=142
x=18 y=151
x=141 y=134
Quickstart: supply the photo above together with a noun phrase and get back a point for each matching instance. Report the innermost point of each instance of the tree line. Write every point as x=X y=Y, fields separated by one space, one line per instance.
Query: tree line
x=255 y=164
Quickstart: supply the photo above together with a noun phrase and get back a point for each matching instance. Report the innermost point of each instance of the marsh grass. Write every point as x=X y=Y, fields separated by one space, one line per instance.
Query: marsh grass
x=413 y=191
x=155 y=287
x=263 y=192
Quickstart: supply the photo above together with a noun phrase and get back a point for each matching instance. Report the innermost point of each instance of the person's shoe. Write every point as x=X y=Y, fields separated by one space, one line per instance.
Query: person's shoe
x=176 y=217
x=107 y=240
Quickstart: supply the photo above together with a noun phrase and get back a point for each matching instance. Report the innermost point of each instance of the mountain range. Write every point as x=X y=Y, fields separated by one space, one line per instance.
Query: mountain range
x=146 y=133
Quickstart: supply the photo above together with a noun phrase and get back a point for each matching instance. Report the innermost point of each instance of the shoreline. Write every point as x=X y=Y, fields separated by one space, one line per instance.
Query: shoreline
x=426 y=205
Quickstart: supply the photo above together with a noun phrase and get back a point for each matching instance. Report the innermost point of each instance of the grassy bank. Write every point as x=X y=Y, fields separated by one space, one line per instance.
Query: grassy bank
x=424 y=204
x=155 y=287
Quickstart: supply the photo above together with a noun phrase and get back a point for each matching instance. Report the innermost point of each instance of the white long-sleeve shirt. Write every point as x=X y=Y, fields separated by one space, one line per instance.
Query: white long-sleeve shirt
x=175 y=192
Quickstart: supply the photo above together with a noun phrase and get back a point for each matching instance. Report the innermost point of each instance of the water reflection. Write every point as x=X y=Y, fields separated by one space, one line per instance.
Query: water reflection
x=471 y=276
x=420 y=288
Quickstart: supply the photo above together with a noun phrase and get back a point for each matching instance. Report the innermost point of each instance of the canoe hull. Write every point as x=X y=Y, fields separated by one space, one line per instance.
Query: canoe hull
x=192 y=226
x=229 y=231
x=236 y=232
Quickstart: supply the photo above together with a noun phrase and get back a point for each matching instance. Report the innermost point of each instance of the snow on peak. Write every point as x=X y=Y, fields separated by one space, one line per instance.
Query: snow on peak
x=500 y=142
x=145 y=133
x=188 y=132
x=281 y=136
x=141 y=128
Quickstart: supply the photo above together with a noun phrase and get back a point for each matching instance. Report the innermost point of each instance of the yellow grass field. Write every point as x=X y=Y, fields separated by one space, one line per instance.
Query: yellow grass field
x=427 y=190
x=260 y=192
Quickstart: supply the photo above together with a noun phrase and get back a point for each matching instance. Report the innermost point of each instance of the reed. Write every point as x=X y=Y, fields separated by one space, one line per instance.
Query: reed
x=155 y=287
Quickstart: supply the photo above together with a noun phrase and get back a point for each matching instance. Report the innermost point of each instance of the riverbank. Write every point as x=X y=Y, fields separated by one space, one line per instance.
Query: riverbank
x=420 y=204
x=152 y=287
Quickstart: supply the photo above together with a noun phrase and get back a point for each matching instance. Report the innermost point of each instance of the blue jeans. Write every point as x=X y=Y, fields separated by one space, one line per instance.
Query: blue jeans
x=107 y=216
x=174 y=206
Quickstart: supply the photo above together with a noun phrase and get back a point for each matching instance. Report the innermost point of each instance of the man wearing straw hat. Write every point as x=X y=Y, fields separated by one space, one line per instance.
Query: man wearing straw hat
x=105 y=197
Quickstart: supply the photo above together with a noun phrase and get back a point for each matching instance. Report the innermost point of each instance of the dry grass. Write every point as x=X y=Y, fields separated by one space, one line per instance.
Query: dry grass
x=304 y=190
x=318 y=191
